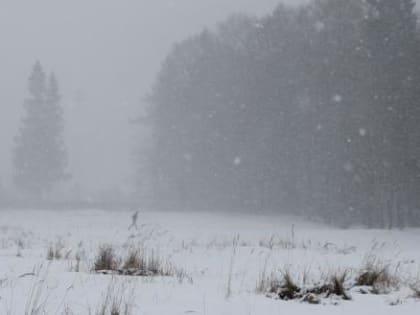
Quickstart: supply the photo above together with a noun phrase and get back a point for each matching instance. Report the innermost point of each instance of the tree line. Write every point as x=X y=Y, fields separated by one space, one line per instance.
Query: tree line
x=311 y=110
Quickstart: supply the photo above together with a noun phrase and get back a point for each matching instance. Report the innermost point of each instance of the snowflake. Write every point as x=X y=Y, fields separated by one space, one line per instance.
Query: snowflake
x=337 y=98
x=348 y=167
x=237 y=161
x=319 y=26
x=188 y=157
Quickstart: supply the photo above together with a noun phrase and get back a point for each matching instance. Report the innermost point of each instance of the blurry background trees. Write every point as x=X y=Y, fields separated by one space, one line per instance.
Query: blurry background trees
x=311 y=110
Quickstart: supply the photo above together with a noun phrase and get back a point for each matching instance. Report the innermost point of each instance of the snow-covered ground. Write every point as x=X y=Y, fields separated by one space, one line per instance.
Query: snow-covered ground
x=217 y=261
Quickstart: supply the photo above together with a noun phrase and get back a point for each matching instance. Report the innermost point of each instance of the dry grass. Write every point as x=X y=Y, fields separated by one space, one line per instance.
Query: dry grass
x=416 y=290
x=135 y=260
x=235 y=244
x=287 y=288
x=116 y=301
x=136 y=263
x=50 y=253
x=283 y=288
x=372 y=277
x=378 y=275
x=54 y=252
x=337 y=285
x=57 y=251
x=37 y=298
x=333 y=285
x=277 y=242
x=106 y=260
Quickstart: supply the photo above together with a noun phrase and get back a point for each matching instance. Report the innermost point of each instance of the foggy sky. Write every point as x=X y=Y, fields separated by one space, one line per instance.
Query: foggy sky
x=106 y=55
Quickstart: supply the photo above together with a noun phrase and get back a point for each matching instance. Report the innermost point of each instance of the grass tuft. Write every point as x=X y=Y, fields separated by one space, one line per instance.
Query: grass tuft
x=284 y=288
x=106 y=259
x=377 y=275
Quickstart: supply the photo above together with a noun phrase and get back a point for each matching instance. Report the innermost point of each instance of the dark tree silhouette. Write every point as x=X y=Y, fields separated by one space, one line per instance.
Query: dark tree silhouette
x=311 y=110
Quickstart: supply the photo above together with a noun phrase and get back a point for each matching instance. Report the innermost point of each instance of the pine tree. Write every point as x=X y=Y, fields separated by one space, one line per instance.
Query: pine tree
x=39 y=156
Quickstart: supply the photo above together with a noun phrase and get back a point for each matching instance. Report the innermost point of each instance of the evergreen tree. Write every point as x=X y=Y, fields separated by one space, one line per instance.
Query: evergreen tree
x=311 y=110
x=39 y=156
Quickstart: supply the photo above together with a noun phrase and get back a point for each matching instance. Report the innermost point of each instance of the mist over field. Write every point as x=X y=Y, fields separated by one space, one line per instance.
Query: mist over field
x=209 y=157
x=106 y=55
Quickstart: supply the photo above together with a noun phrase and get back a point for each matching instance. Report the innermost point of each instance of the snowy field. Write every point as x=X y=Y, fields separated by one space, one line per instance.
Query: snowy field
x=215 y=263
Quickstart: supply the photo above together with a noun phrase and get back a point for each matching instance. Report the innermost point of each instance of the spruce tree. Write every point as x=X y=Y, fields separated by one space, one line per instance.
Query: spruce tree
x=39 y=156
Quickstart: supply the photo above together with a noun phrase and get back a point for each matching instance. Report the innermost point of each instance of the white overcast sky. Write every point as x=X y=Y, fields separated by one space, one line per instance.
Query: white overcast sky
x=106 y=54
